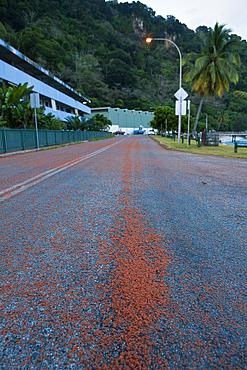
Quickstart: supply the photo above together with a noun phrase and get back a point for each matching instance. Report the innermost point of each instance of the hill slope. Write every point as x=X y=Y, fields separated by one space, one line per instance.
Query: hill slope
x=99 y=48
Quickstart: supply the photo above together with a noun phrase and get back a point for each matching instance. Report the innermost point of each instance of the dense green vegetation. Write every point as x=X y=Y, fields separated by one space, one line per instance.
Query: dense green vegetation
x=98 y=123
x=16 y=112
x=99 y=48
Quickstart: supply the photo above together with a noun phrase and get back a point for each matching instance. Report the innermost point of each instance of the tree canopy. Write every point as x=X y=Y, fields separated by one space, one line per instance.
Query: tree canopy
x=164 y=117
x=214 y=66
x=98 y=123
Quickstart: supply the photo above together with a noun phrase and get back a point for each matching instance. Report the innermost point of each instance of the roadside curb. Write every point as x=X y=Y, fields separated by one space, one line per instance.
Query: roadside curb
x=20 y=152
x=162 y=144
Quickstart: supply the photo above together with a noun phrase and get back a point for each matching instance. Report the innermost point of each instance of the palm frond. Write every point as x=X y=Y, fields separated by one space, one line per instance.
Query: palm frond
x=228 y=69
x=240 y=94
x=188 y=57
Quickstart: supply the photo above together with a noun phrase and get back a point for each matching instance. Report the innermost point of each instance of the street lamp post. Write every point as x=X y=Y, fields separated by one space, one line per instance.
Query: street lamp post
x=150 y=39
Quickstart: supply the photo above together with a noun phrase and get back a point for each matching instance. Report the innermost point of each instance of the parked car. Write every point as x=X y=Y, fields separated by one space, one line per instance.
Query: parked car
x=119 y=133
x=139 y=131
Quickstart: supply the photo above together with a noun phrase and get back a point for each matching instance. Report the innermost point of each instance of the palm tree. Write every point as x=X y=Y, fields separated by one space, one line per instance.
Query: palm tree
x=215 y=66
x=75 y=123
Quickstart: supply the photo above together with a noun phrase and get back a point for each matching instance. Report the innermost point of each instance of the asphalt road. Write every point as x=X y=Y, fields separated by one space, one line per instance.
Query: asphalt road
x=119 y=254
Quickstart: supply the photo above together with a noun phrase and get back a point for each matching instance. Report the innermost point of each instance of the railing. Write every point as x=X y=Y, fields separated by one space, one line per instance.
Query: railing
x=222 y=133
x=14 y=139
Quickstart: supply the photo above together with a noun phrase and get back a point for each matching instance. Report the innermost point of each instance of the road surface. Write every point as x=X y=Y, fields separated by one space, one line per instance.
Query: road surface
x=119 y=254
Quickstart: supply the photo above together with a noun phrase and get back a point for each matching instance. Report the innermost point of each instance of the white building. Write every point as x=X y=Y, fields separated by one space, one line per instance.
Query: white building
x=57 y=97
x=125 y=120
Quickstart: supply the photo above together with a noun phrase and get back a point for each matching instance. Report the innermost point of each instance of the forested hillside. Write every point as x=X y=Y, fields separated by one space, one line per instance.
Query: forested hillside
x=99 y=48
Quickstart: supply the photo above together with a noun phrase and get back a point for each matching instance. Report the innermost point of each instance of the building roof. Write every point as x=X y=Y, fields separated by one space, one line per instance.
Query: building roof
x=14 y=57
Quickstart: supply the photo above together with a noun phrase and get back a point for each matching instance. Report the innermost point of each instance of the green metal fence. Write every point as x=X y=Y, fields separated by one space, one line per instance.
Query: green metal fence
x=11 y=140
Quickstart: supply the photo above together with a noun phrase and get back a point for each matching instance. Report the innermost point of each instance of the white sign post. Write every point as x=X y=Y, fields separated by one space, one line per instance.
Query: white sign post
x=188 y=134
x=35 y=103
x=181 y=94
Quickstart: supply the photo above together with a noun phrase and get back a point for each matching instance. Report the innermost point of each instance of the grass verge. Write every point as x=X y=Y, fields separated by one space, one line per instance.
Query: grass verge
x=221 y=150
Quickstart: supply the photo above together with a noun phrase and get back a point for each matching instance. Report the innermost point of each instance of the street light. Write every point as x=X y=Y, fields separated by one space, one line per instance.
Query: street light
x=149 y=40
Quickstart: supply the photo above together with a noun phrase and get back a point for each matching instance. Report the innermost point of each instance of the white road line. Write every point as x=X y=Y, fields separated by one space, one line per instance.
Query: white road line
x=45 y=175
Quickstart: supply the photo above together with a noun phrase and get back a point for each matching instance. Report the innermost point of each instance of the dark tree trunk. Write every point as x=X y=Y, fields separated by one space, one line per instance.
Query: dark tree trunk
x=198 y=114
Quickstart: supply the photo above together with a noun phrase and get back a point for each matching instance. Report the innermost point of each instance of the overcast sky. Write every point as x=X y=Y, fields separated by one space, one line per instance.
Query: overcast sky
x=196 y=13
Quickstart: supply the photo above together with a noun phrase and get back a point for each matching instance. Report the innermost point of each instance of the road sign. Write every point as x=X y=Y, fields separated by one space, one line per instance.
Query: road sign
x=180 y=109
x=35 y=103
x=34 y=98
x=181 y=106
x=181 y=93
